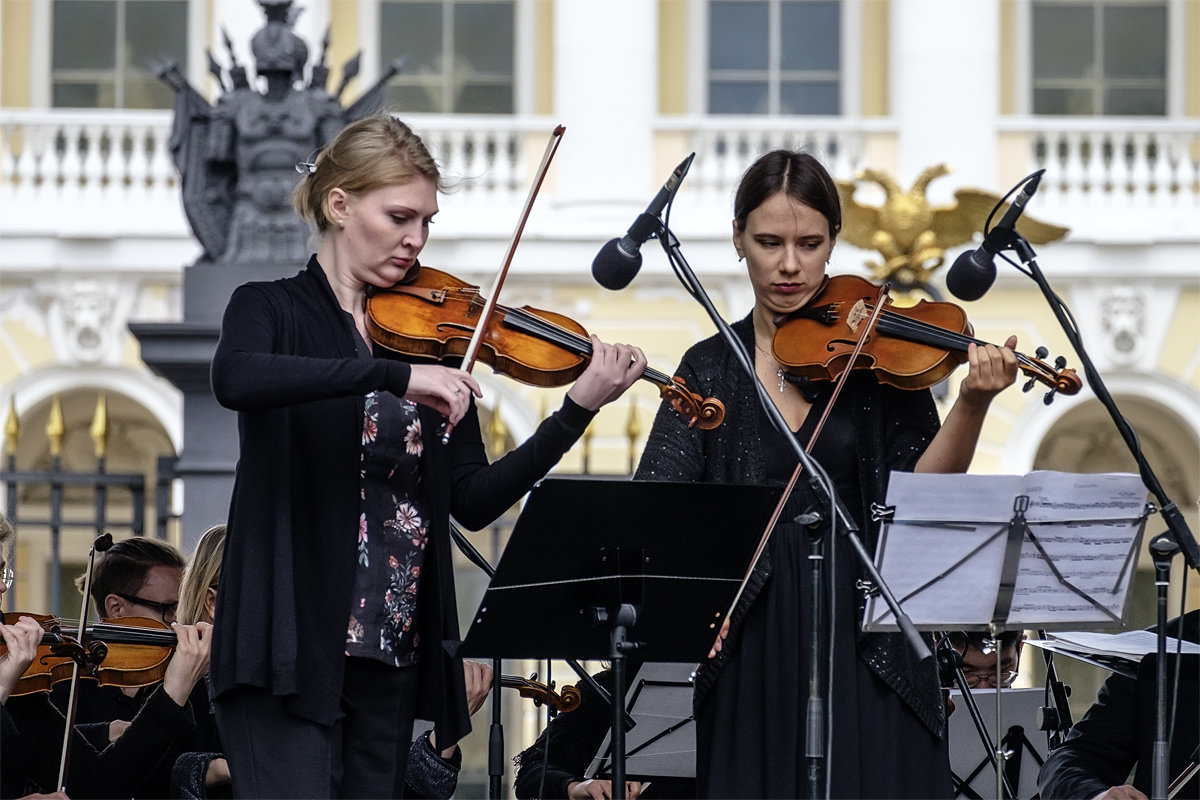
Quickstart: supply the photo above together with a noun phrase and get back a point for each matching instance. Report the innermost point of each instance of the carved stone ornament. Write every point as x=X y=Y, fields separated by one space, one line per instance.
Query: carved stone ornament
x=238 y=159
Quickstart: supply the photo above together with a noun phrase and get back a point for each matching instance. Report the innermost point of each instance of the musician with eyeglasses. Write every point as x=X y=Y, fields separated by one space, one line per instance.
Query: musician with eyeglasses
x=136 y=577
x=978 y=652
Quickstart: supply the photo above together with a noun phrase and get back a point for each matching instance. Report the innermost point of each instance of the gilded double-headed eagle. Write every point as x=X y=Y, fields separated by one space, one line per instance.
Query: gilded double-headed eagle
x=913 y=236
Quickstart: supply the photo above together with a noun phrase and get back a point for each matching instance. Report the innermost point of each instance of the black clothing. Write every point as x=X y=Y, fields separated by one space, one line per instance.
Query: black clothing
x=575 y=737
x=31 y=746
x=888 y=714
x=286 y=361
x=1117 y=733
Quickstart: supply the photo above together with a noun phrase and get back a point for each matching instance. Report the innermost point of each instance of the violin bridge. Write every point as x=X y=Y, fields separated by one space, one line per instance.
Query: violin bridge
x=856 y=315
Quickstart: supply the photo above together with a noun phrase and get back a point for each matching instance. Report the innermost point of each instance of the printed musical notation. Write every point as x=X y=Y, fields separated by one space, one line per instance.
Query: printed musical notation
x=958 y=552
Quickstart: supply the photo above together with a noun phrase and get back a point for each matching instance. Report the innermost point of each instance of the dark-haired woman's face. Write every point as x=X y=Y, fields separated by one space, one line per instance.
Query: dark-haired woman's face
x=786 y=244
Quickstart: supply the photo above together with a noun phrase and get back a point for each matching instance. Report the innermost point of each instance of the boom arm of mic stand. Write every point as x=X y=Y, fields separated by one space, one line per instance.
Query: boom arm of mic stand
x=1171 y=514
x=818 y=479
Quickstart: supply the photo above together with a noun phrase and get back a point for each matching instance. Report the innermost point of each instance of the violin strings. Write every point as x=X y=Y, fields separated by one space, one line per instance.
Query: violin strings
x=893 y=323
x=532 y=324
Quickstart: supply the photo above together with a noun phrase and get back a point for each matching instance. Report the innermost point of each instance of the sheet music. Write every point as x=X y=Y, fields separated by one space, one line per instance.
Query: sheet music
x=943 y=552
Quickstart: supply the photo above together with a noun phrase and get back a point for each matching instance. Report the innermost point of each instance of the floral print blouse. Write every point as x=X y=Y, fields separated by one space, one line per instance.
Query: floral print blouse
x=392 y=533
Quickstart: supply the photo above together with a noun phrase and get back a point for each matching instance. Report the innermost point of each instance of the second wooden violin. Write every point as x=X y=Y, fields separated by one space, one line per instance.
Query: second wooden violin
x=434 y=314
x=911 y=348
x=130 y=652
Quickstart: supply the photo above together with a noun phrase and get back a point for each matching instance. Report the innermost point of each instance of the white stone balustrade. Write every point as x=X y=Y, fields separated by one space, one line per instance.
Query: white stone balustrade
x=109 y=173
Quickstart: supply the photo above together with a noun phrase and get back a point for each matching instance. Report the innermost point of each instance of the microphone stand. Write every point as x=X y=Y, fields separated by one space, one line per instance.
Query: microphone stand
x=820 y=486
x=1177 y=526
x=496 y=731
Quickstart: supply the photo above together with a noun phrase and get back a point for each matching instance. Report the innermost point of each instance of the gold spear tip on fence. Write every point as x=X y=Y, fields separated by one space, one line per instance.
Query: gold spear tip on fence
x=12 y=427
x=99 y=429
x=55 y=429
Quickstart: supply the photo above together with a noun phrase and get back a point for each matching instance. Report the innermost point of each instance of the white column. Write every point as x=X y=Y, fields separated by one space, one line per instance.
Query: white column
x=606 y=94
x=945 y=93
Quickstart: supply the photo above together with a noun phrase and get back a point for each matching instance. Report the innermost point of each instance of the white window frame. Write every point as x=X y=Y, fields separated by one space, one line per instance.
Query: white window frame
x=1176 y=56
x=524 y=60
x=849 y=66
x=41 y=81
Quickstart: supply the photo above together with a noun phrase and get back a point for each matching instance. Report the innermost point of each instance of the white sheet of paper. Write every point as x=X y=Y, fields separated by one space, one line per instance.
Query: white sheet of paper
x=943 y=552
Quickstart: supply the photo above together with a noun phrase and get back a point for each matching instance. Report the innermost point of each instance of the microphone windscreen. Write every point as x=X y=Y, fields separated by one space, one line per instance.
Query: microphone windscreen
x=971 y=275
x=613 y=268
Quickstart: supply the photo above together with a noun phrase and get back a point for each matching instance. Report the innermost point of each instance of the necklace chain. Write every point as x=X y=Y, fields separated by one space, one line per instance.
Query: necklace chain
x=778 y=370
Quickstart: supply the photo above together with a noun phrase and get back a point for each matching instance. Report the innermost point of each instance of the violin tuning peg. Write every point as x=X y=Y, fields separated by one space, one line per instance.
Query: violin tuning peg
x=1029 y=385
x=1041 y=352
x=1060 y=362
x=1049 y=397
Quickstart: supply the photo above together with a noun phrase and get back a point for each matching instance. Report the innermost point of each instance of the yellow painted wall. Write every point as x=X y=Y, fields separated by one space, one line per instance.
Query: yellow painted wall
x=672 y=57
x=543 y=90
x=875 y=56
x=16 y=30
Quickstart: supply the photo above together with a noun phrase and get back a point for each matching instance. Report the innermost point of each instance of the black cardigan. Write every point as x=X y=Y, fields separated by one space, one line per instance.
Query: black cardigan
x=895 y=428
x=286 y=362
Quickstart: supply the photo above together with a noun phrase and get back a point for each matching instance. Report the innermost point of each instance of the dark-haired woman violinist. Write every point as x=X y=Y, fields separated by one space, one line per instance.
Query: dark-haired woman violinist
x=888 y=719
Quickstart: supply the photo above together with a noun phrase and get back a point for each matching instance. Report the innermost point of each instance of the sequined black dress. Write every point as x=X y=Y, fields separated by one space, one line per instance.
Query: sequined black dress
x=887 y=713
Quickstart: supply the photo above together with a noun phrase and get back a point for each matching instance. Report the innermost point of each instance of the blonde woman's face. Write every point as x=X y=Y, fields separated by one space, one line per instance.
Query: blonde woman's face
x=382 y=232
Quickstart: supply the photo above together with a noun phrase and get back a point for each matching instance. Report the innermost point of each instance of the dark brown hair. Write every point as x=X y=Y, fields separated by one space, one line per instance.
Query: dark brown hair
x=122 y=568
x=798 y=175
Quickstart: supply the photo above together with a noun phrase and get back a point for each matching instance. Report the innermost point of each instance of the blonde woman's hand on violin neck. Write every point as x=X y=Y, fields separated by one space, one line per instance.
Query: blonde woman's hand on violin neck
x=612 y=369
x=190 y=661
x=21 y=640
x=444 y=389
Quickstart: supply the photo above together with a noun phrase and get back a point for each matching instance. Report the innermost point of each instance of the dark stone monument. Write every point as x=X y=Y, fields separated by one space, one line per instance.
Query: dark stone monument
x=238 y=163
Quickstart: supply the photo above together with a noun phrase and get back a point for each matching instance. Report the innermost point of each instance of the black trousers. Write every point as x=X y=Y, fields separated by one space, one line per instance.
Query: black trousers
x=273 y=753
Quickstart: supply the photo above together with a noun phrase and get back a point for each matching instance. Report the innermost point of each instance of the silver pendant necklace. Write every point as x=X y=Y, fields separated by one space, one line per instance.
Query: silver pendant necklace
x=779 y=373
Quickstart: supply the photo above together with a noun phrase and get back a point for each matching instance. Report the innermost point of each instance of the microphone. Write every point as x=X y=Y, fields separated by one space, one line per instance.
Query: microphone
x=973 y=273
x=620 y=259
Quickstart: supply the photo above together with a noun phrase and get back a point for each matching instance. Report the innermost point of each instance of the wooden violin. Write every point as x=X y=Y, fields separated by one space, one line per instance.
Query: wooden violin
x=128 y=653
x=565 y=699
x=433 y=314
x=910 y=348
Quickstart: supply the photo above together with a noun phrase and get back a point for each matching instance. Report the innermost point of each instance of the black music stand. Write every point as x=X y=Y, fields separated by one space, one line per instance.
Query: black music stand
x=598 y=568
x=663 y=745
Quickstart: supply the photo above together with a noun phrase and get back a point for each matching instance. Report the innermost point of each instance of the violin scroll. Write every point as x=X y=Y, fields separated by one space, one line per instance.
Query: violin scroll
x=565 y=699
x=705 y=413
x=1060 y=379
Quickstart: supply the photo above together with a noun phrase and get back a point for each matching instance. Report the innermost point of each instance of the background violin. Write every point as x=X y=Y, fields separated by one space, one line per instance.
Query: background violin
x=565 y=699
x=434 y=315
x=910 y=348
x=129 y=653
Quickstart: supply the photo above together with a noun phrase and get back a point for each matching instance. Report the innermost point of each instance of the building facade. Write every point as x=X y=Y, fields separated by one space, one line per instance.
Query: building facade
x=1104 y=95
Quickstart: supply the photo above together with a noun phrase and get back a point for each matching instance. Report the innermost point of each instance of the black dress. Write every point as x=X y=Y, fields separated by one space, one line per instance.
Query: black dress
x=751 y=727
x=887 y=712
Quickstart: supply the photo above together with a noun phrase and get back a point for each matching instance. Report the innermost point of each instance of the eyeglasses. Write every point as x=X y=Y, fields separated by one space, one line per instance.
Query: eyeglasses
x=165 y=610
x=987 y=678
x=7 y=577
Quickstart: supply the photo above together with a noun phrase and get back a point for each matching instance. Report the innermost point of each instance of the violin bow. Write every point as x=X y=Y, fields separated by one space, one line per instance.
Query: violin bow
x=102 y=543
x=472 y=351
x=791 y=484
x=841 y=380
